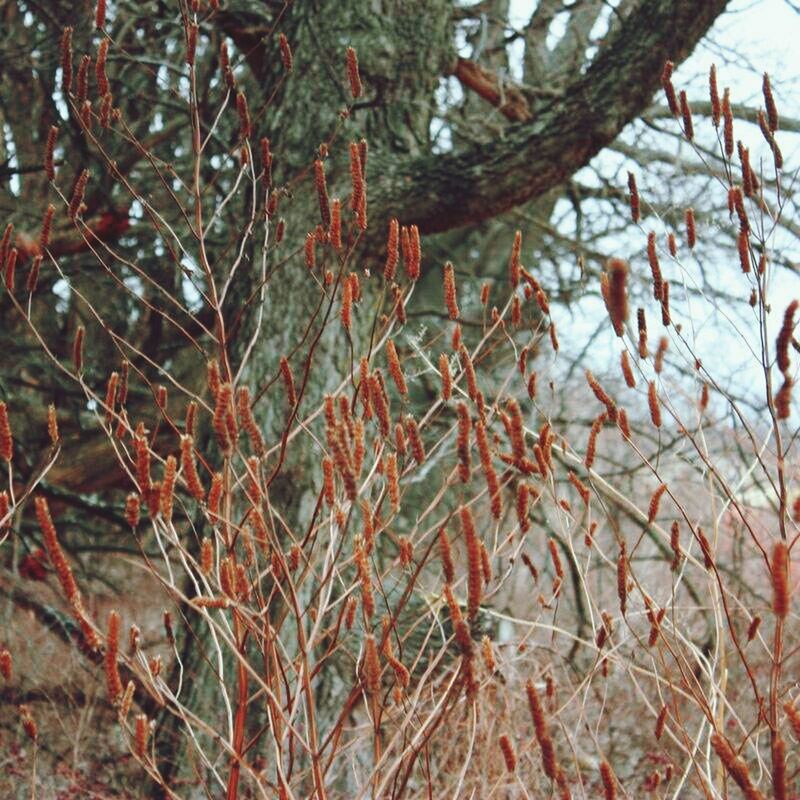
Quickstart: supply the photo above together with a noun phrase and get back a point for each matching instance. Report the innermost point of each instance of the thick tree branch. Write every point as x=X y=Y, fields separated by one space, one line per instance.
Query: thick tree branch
x=446 y=191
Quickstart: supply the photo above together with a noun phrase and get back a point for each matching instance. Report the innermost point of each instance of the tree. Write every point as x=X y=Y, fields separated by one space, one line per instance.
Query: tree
x=233 y=192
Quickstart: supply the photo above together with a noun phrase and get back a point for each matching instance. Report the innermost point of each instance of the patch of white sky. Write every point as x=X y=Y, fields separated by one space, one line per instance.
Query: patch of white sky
x=750 y=38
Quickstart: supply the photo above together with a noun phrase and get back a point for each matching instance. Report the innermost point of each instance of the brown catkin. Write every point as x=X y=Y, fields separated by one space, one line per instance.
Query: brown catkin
x=675 y=546
x=653 y=404
x=246 y=420
x=28 y=723
x=113 y=680
x=77 y=349
x=82 y=80
x=390 y=268
x=779 y=569
x=322 y=193
x=168 y=488
x=735 y=767
x=189 y=469
x=748 y=184
x=462 y=442
x=705 y=548
x=713 y=91
x=49 y=158
x=450 y=300
x=669 y=89
x=661 y=722
x=474 y=567
x=444 y=373
x=379 y=401
x=691 y=229
x=513 y=262
x=686 y=113
x=769 y=104
x=779 y=769
x=489 y=472
x=509 y=756
x=11 y=266
x=783 y=399
x=100 y=67
x=622 y=578
x=393 y=484
x=347 y=305
x=76 y=201
x=372 y=667
x=655 y=501
x=141 y=735
x=310 y=250
x=288 y=381
x=220 y=418
x=415 y=439
x=215 y=494
x=617 y=298
x=353 y=75
x=785 y=337
x=132 y=509
x=793 y=715
x=245 y=125
x=66 y=60
x=6 y=437
x=558 y=567
x=580 y=486
x=516 y=431
x=335 y=233
x=395 y=369
x=591 y=446
x=634 y=198
x=206 y=556
x=523 y=498
x=286 y=52
x=627 y=372
x=600 y=394
x=655 y=266
x=469 y=372
x=609 y=781
x=446 y=556
x=542 y=733
x=5 y=664
x=727 y=117
x=743 y=247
